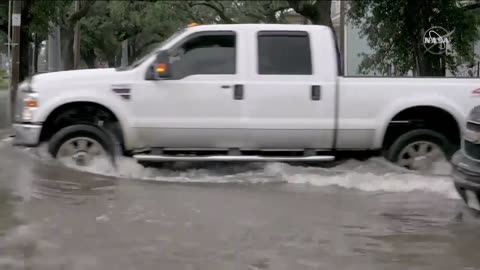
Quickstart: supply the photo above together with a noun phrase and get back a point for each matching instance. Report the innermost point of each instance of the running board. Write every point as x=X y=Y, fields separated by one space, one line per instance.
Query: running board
x=160 y=158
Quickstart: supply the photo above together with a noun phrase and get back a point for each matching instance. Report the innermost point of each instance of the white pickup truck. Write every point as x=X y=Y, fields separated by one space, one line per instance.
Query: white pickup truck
x=243 y=92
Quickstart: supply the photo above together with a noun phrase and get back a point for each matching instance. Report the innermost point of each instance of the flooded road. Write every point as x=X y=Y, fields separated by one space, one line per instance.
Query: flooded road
x=358 y=215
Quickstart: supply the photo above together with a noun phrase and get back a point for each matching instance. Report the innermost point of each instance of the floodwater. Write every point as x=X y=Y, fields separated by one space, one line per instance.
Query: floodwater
x=357 y=215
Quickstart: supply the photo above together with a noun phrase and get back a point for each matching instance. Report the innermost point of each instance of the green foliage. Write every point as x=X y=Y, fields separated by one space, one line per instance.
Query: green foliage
x=262 y=11
x=146 y=23
x=3 y=79
x=142 y=23
x=149 y=24
x=208 y=11
x=236 y=11
x=3 y=41
x=97 y=35
x=44 y=11
x=3 y=18
x=394 y=30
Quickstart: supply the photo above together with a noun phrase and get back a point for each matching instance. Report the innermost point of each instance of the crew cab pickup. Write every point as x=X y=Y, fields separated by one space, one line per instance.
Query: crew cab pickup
x=242 y=92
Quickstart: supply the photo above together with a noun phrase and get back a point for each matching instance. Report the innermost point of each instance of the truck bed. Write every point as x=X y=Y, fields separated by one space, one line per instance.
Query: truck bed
x=366 y=104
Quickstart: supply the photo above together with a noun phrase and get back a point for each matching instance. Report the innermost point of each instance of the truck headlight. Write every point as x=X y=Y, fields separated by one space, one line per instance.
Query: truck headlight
x=474 y=114
x=30 y=105
x=27 y=102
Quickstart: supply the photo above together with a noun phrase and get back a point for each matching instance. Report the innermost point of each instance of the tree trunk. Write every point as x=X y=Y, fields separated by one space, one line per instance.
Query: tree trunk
x=426 y=63
x=419 y=60
x=430 y=64
x=415 y=17
x=24 y=70
x=37 y=41
x=90 y=62
x=24 y=53
x=135 y=54
x=271 y=18
x=67 y=33
x=305 y=20
x=320 y=14
x=89 y=57
x=111 y=62
x=131 y=50
x=67 y=40
x=322 y=17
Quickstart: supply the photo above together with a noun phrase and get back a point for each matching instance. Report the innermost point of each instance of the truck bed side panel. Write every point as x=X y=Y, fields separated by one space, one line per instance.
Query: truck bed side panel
x=367 y=105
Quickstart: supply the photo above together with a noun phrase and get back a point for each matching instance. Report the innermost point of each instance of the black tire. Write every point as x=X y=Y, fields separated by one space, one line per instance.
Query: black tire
x=103 y=137
x=393 y=152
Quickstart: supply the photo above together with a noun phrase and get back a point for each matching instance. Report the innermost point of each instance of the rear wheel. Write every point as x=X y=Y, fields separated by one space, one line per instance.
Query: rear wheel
x=420 y=149
x=81 y=145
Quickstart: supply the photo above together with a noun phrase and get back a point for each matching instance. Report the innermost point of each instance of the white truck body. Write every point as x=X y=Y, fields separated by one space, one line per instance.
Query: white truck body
x=276 y=111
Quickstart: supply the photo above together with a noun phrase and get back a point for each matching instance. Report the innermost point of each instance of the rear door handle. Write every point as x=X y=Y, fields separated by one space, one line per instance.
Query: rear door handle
x=316 y=92
x=238 y=91
x=225 y=86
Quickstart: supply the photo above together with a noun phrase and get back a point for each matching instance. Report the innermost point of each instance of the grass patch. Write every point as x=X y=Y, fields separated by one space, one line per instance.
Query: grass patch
x=4 y=80
x=3 y=85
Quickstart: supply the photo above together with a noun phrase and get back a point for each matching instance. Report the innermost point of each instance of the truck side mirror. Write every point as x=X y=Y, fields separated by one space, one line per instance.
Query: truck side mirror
x=161 y=68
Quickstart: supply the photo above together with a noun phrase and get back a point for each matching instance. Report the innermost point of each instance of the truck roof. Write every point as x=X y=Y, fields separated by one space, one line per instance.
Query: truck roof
x=257 y=26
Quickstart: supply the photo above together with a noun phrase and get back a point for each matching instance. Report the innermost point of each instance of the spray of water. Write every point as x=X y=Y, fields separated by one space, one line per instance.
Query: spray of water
x=375 y=174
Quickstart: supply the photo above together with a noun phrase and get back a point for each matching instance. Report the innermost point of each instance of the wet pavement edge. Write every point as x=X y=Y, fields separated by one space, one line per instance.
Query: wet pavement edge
x=3 y=110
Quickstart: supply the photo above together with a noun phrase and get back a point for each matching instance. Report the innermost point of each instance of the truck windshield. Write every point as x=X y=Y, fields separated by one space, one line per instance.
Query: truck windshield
x=139 y=61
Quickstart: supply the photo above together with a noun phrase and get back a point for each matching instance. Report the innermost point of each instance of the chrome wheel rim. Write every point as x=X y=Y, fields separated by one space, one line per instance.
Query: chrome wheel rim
x=82 y=151
x=420 y=155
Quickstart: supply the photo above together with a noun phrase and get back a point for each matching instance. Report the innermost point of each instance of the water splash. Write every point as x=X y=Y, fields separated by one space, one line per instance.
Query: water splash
x=375 y=174
x=362 y=179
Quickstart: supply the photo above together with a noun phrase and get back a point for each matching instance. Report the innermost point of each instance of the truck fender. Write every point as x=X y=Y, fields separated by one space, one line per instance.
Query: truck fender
x=111 y=102
x=400 y=105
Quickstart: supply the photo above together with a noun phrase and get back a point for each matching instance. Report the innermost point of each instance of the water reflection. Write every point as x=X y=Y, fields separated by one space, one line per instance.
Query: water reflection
x=7 y=212
x=52 y=217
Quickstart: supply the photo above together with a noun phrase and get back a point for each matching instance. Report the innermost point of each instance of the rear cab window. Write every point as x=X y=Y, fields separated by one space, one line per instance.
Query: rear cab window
x=284 y=53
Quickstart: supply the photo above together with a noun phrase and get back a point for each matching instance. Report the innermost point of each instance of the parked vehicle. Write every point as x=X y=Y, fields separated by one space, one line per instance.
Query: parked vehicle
x=243 y=92
x=466 y=162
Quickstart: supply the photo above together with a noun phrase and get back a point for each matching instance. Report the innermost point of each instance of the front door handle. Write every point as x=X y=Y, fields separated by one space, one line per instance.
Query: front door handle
x=316 y=92
x=238 y=91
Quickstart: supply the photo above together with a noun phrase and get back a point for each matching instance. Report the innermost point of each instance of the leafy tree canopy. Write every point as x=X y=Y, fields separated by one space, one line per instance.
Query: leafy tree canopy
x=395 y=31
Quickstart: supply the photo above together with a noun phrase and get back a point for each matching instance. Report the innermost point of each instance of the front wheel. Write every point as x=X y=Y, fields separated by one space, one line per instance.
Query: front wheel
x=419 y=149
x=80 y=145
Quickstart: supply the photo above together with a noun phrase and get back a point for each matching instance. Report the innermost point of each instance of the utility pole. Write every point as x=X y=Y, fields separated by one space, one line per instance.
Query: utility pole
x=16 y=22
x=9 y=39
x=76 y=40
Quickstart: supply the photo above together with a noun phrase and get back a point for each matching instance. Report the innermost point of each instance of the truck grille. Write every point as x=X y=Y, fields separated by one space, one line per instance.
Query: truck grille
x=473 y=126
x=471 y=140
x=471 y=149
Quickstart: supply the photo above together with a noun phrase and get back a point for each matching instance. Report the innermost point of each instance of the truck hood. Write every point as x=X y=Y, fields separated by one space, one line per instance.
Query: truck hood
x=75 y=77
